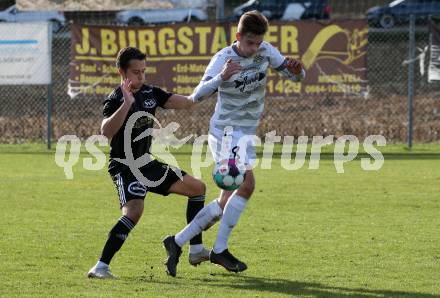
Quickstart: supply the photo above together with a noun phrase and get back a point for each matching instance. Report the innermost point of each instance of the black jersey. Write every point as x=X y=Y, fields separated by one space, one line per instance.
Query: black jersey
x=147 y=99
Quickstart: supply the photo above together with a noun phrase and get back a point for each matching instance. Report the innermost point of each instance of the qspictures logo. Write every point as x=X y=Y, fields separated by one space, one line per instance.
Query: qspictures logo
x=346 y=149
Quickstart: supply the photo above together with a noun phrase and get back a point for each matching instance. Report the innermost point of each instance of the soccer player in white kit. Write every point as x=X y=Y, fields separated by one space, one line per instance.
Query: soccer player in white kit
x=238 y=73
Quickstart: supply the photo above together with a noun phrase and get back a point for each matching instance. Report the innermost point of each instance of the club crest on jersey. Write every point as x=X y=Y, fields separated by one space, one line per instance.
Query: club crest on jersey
x=149 y=103
x=258 y=59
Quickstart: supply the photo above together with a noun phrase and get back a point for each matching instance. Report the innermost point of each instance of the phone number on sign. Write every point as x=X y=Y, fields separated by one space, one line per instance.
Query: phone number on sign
x=289 y=87
x=333 y=88
x=284 y=87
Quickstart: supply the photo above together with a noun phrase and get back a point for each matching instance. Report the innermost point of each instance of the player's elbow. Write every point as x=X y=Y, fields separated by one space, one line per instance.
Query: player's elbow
x=106 y=133
x=105 y=130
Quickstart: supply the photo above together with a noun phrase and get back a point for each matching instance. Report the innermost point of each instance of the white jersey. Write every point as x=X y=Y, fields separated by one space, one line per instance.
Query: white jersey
x=241 y=98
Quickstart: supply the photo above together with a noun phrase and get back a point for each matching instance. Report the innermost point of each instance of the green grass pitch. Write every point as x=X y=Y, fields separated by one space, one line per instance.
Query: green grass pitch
x=306 y=233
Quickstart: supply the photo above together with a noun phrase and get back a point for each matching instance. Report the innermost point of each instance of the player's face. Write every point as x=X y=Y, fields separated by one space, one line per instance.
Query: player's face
x=248 y=44
x=136 y=73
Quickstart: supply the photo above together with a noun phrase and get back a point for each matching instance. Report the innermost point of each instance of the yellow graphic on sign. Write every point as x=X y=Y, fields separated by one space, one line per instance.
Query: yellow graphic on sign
x=356 y=42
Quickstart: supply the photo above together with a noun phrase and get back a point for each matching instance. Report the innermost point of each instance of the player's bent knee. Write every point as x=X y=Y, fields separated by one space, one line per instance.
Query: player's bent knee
x=198 y=187
x=133 y=210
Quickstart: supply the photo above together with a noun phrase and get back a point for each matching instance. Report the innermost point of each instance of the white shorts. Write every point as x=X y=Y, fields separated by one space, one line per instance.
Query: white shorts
x=227 y=143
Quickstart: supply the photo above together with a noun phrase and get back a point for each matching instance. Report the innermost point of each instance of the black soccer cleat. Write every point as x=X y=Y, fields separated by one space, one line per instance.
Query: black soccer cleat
x=173 y=251
x=227 y=261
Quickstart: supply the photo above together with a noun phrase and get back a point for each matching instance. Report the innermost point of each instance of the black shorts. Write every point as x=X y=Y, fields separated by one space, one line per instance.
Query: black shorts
x=130 y=188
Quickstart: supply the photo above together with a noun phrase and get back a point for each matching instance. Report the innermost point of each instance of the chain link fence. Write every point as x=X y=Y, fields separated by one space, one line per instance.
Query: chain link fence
x=384 y=110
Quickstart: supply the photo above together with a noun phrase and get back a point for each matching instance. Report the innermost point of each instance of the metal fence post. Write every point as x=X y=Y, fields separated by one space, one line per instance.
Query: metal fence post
x=49 y=115
x=49 y=91
x=412 y=47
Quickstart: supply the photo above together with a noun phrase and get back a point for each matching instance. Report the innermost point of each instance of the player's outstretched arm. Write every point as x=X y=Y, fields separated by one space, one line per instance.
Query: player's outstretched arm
x=206 y=88
x=179 y=102
x=112 y=124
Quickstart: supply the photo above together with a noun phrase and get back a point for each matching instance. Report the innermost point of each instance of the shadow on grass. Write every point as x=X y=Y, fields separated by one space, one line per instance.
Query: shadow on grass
x=291 y=287
x=318 y=290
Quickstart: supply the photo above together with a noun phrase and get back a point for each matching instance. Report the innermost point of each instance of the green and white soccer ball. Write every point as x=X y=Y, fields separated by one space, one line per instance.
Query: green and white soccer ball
x=228 y=175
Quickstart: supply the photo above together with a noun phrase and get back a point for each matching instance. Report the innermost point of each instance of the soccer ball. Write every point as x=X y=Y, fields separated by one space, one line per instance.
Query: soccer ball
x=228 y=175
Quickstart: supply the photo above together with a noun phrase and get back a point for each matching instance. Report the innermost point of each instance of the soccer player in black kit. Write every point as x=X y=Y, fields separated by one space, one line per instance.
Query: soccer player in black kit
x=133 y=95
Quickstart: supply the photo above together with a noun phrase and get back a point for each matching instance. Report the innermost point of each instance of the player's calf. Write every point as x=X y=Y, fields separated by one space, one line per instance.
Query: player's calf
x=116 y=238
x=204 y=219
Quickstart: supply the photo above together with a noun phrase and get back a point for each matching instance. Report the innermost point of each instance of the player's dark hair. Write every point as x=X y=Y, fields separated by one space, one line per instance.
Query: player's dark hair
x=253 y=22
x=127 y=54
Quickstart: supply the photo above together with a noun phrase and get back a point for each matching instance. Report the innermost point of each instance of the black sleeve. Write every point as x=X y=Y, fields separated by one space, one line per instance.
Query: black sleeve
x=112 y=103
x=161 y=96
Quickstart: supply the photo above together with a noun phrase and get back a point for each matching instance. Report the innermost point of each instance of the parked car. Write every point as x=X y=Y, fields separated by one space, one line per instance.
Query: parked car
x=399 y=11
x=153 y=16
x=12 y=14
x=287 y=9
x=202 y=4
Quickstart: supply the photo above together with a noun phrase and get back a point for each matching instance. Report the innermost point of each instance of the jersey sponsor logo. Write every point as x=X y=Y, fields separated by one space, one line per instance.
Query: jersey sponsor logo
x=249 y=80
x=149 y=103
x=138 y=189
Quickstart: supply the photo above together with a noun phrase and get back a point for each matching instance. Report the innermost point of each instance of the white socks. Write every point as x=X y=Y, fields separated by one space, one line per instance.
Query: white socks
x=206 y=217
x=231 y=214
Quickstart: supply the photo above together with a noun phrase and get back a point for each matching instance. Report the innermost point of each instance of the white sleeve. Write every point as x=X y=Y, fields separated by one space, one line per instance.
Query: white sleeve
x=211 y=80
x=215 y=66
x=278 y=62
x=275 y=57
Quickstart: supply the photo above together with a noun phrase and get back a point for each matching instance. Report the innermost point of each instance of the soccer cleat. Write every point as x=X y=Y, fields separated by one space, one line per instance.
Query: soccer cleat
x=173 y=251
x=199 y=257
x=227 y=261
x=101 y=273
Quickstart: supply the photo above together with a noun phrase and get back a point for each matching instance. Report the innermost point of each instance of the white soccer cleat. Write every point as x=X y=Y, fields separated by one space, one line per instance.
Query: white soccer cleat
x=101 y=273
x=197 y=258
